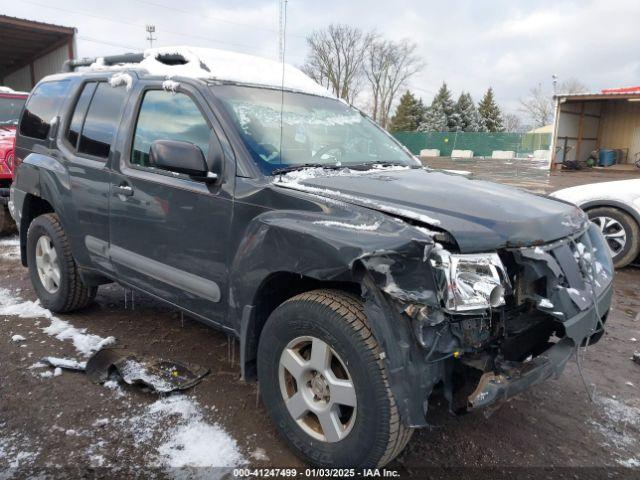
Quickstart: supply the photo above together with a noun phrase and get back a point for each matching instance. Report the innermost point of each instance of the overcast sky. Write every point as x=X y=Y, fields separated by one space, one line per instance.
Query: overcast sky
x=511 y=45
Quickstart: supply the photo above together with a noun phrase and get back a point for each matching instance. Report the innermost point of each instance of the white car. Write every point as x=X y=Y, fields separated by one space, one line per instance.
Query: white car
x=615 y=208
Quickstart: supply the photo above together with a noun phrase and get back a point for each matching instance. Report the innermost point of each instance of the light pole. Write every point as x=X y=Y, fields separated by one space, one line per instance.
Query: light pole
x=151 y=29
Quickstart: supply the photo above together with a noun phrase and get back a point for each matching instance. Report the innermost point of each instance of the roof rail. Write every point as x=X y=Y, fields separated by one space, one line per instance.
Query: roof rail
x=71 y=65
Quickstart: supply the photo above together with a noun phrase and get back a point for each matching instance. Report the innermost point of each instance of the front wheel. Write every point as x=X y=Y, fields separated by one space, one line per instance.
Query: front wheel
x=324 y=384
x=53 y=271
x=621 y=233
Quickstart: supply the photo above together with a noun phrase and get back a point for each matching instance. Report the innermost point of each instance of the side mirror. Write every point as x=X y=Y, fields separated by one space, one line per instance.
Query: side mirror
x=180 y=157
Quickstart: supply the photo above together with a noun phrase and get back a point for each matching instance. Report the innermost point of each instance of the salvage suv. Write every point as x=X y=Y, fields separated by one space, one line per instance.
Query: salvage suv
x=356 y=280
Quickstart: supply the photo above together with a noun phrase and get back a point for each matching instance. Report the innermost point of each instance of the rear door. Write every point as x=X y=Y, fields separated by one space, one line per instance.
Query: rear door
x=86 y=147
x=169 y=233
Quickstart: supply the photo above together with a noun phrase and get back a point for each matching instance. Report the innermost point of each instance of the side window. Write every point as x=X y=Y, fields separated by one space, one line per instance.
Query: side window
x=102 y=120
x=168 y=116
x=43 y=105
x=75 y=126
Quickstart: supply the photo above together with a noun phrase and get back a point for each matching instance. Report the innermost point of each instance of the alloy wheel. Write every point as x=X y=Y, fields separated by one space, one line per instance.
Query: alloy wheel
x=47 y=264
x=317 y=389
x=613 y=232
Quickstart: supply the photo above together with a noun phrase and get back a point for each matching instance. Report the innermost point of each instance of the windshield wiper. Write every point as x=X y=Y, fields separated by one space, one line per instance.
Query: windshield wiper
x=368 y=165
x=293 y=168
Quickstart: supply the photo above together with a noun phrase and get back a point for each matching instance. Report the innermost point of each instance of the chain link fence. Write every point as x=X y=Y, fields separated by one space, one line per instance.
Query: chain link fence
x=481 y=143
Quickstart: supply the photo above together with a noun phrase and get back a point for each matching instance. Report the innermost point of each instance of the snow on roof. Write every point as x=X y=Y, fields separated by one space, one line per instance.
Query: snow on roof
x=213 y=64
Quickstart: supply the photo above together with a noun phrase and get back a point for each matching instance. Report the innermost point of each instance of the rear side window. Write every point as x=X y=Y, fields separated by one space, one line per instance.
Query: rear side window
x=102 y=120
x=43 y=105
x=168 y=116
x=75 y=127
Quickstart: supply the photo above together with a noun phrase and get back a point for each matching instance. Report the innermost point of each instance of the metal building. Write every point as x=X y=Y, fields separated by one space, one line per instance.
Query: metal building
x=588 y=123
x=31 y=50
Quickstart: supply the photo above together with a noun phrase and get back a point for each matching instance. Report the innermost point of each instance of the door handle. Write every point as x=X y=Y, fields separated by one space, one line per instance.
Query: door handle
x=125 y=190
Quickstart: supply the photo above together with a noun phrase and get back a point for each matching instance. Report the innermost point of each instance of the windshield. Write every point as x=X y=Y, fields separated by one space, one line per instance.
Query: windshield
x=316 y=131
x=10 y=109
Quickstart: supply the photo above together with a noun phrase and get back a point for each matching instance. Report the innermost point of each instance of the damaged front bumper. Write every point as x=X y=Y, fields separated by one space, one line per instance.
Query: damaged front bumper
x=556 y=299
x=511 y=378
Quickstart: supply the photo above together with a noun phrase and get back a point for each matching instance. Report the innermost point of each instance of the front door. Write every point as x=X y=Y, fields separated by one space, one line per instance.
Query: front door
x=169 y=232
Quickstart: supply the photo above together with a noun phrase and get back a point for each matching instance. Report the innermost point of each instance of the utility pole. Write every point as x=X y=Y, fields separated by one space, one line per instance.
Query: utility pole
x=151 y=29
x=555 y=83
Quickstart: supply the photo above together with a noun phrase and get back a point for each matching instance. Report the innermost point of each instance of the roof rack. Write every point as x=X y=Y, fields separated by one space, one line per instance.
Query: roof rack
x=166 y=58
x=71 y=65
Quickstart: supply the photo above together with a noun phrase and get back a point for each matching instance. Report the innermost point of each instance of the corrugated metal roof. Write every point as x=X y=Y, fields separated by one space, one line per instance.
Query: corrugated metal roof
x=609 y=95
x=36 y=23
x=23 y=41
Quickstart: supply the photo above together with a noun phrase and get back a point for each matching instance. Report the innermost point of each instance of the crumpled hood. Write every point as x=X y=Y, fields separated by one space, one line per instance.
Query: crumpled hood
x=481 y=216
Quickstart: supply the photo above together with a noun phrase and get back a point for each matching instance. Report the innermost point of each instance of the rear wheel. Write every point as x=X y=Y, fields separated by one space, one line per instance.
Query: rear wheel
x=620 y=231
x=53 y=271
x=324 y=384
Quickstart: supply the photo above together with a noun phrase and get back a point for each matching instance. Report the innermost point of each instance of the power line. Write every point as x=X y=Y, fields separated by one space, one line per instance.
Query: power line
x=138 y=25
x=120 y=45
x=211 y=17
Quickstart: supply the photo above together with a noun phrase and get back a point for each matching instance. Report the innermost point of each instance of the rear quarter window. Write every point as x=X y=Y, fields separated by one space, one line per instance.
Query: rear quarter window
x=42 y=106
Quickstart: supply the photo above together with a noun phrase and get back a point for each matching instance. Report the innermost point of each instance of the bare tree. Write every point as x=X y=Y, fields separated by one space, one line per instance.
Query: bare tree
x=511 y=122
x=336 y=58
x=538 y=106
x=572 y=85
x=387 y=68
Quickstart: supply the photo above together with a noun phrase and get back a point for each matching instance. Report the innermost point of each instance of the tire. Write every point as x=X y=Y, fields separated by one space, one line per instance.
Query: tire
x=70 y=293
x=374 y=433
x=620 y=221
x=7 y=225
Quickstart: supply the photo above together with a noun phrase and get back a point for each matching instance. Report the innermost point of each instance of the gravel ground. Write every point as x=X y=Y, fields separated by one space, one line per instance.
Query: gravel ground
x=59 y=423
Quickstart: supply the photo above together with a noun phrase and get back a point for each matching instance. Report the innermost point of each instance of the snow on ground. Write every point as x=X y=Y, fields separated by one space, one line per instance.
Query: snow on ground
x=10 y=242
x=85 y=343
x=620 y=428
x=15 y=452
x=10 y=248
x=172 y=433
x=68 y=363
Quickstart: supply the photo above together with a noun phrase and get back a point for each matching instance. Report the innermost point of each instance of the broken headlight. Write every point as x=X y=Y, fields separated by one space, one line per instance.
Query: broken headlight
x=470 y=282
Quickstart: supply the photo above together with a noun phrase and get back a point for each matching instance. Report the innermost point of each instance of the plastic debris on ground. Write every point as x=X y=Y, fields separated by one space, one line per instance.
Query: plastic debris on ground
x=159 y=374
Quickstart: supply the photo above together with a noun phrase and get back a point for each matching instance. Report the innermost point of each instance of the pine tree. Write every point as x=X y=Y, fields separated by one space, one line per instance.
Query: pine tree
x=439 y=116
x=443 y=97
x=490 y=112
x=409 y=114
x=435 y=120
x=466 y=117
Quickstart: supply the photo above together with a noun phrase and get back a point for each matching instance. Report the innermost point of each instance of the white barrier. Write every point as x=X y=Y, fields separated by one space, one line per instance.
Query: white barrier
x=429 y=152
x=541 y=154
x=462 y=154
x=503 y=154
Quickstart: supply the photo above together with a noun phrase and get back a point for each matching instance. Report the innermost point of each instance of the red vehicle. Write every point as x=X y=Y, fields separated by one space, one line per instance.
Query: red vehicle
x=11 y=104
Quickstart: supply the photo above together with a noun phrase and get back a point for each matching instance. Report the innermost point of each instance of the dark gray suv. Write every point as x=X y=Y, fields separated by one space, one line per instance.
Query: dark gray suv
x=356 y=280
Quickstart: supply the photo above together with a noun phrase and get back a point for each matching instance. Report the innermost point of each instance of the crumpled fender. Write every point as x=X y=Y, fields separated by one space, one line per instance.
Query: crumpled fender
x=320 y=245
x=389 y=262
